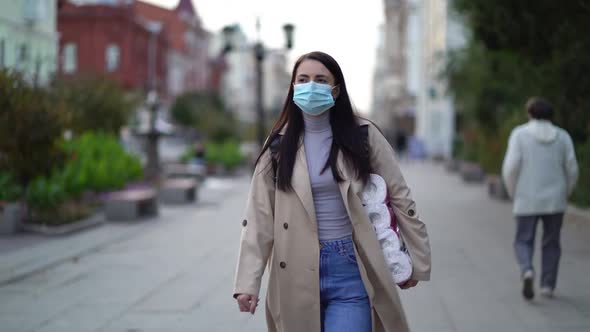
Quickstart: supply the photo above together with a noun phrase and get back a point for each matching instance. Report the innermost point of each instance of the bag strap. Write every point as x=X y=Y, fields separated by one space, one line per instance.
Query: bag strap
x=365 y=135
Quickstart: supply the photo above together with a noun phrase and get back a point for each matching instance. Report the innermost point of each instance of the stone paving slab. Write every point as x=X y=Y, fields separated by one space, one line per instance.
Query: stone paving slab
x=18 y=264
x=176 y=274
x=475 y=280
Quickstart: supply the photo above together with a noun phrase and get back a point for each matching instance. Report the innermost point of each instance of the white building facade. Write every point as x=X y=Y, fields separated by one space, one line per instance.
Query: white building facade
x=239 y=79
x=238 y=83
x=393 y=105
x=441 y=33
x=29 y=38
x=276 y=82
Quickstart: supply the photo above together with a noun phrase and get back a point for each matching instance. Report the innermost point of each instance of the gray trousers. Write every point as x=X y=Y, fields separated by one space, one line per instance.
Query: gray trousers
x=524 y=245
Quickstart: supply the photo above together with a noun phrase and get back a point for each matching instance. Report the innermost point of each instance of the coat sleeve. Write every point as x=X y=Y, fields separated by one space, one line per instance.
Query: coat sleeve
x=511 y=164
x=257 y=230
x=412 y=229
x=571 y=164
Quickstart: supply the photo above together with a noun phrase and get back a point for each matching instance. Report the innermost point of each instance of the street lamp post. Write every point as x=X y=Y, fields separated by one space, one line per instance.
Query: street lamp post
x=152 y=104
x=259 y=55
x=152 y=136
x=261 y=128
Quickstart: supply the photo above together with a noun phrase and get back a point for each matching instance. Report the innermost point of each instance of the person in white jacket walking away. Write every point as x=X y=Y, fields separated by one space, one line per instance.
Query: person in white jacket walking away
x=540 y=171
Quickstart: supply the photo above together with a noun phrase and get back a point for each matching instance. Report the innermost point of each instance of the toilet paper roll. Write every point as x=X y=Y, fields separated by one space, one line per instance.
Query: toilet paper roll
x=401 y=271
x=379 y=216
x=384 y=234
x=392 y=242
x=398 y=261
x=375 y=190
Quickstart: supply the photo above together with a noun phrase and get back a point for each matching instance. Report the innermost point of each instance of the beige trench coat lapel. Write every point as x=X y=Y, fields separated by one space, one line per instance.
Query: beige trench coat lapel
x=279 y=231
x=302 y=186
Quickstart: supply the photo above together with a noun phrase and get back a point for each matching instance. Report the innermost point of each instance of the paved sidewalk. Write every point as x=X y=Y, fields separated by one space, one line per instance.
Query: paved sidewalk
x=175 y=273
x=475 y=279
x=25 y=254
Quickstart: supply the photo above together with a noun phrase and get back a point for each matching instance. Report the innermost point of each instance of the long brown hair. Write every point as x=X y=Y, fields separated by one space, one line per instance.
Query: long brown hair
x=346 y=136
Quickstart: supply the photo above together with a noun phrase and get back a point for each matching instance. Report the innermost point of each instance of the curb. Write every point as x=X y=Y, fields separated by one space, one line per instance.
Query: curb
x=25 y=263
x=578 y=214
x=92 y=221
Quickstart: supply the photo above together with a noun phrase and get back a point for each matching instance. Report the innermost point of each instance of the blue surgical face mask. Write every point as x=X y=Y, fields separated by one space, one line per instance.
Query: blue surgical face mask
x=313 y=98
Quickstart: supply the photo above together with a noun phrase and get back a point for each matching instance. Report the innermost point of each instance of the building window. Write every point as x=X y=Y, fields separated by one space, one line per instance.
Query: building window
x=38 y=65
x=2 y=47
x=70 y=58
x=112 y=57
x=23 y=54
x=34 y=10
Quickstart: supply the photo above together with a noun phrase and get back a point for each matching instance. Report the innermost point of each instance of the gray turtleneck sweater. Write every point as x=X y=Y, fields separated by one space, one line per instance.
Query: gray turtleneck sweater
x=332 y=217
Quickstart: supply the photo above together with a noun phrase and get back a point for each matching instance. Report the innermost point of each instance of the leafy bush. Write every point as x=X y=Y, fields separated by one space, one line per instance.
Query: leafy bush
x=46 y=193
x=206 y=113
x=506 y=61
x=227 y=153
x=492 y=146
x=187 y=155
x=96 y=104
x=31 y=125
x=51 y=204
x=581 y=195
x=10 y=191
x=213 y=153
x=98 y=162
x=95 y=162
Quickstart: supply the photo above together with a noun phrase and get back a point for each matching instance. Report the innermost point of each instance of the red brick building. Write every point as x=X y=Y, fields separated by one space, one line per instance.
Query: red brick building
x=188 y=67
x=113 y=40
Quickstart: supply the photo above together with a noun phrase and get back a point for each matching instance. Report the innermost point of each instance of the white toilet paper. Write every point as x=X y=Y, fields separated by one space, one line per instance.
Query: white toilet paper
x=391 y=241
x=374 y=197
x=401 y=270
x=384 y=234
x=398 y=261
x=375 y=190
x=379 y=216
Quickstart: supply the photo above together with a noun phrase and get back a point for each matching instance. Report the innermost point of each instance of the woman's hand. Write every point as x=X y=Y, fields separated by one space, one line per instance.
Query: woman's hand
x=408 y=284
x=247 y=303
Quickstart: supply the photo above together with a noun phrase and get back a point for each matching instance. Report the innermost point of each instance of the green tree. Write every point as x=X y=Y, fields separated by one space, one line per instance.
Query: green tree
x=519 y=49
x=96 y=104
x=31 y=126
x=205 y=112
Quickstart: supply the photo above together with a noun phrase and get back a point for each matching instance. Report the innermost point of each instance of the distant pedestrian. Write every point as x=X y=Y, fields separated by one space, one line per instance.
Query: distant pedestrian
x=401 y=143
x=540 y=171
x=305 y=221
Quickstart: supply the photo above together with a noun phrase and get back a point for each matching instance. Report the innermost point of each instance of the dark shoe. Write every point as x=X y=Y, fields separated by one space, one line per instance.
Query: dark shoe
x=527 y=285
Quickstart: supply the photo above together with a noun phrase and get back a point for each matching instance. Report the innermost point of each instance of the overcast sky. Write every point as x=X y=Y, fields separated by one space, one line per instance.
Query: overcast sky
x=345 y=29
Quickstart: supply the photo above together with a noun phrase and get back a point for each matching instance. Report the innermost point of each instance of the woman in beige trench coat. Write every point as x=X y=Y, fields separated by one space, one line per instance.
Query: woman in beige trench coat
x=283 y=231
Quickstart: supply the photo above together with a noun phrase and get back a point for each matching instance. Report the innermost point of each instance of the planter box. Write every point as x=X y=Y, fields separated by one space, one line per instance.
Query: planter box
x=496 y=188
x=452 y=165
x=10 y=218
x=195 y=171
x=178 y=191
x=92 y=221
x=471 y=172
x=131 y=204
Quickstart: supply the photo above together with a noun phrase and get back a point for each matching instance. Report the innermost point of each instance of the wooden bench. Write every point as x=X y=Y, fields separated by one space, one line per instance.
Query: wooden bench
x=131 y=204
x=178 y=191
x=452 y=165
x=496 y=188
x=471 y=172
x=196 y=172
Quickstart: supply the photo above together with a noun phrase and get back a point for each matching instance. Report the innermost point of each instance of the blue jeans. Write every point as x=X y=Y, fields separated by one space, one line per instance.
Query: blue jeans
x=344 y=301
x=524 y=245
